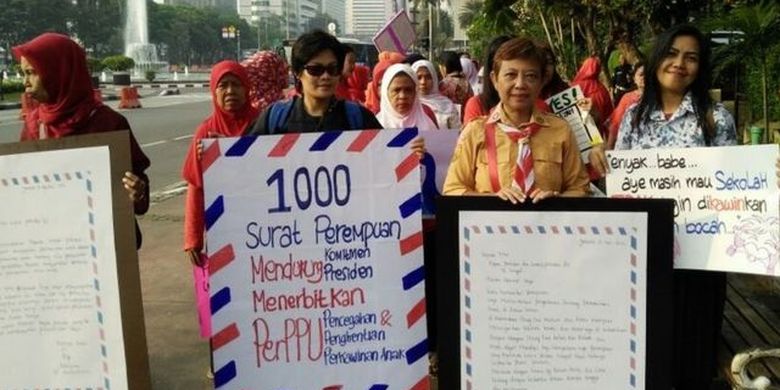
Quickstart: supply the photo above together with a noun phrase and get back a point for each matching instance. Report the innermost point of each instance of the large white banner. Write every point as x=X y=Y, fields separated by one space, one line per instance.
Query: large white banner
x=315 y=252
x=553 y=300
x=726 y=198
x=60 y=322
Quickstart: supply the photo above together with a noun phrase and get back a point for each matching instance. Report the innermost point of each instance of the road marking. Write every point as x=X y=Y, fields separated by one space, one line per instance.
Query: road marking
x=168 y=192
x=155 y=143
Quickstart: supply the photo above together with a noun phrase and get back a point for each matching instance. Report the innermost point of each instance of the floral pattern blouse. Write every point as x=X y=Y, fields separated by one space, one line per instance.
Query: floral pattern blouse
x=456 y=88
x=681 y=130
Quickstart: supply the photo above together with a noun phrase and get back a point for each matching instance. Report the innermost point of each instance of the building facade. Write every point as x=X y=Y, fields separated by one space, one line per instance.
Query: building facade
x=221 y=4
x=337 y=10
x=296 y=13
x=365 y=17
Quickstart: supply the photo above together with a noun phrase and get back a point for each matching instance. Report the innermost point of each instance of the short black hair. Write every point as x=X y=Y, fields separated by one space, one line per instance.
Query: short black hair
x=699 y=89
x=452 y=62
x=311 y=44
x=489 y=96
x=414 y=57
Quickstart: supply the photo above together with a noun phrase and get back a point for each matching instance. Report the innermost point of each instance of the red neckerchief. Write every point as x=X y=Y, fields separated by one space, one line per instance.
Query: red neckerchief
x=490 y=143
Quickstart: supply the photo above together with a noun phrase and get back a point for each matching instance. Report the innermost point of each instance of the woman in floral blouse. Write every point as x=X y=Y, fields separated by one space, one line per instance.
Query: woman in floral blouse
x=675 y=111
x=455 y=85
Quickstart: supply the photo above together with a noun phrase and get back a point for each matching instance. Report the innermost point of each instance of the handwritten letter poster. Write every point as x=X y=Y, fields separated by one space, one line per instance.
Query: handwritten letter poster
x=315 y=251
x=726 y=202
x=60 y=322
x=552 y=300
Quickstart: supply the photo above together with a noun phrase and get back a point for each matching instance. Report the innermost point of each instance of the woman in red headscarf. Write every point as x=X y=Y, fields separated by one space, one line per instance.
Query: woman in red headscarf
x=588 y=80
x=56 y=75
x=233 y=112
x=357 y=83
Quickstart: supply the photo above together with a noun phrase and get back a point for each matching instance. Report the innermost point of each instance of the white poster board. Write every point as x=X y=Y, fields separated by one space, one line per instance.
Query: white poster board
x=552 y=300
x=315 y=252
x=726 y=214
x=397 y=35
x=439 y=147
x=60 y=320
x=564 y=105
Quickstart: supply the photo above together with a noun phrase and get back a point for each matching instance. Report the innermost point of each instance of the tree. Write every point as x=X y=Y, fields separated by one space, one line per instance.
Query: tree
x=442 y=30
x=468 y=12
x=498 y=17
x=22 y=20
x=98 y=24
x=756 y=30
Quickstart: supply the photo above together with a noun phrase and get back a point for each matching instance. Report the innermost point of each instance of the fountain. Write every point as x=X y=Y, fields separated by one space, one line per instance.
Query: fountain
x=137 y=44
x=186 y=71
x=5 y=75
x=103 y=77
x=175 y=76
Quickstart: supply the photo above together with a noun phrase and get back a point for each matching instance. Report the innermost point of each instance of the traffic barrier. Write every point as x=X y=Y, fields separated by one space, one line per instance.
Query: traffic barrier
x=129 y=98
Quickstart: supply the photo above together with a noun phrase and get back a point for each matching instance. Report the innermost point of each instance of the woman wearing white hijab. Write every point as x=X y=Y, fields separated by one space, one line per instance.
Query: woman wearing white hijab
x=471 y=73
x=400 y=107
x=447 y=115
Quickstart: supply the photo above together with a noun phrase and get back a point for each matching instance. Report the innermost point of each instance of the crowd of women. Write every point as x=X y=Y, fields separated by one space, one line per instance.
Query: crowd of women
x=510 y=145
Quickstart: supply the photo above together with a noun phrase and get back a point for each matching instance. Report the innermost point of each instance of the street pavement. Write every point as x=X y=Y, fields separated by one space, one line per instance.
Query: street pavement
x=178 y=358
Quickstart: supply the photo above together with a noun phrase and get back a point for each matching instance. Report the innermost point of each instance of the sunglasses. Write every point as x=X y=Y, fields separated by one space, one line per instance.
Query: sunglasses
x=317 y=70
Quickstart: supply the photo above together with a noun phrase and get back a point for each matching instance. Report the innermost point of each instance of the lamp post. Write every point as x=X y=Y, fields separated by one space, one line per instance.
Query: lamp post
x=231 y=32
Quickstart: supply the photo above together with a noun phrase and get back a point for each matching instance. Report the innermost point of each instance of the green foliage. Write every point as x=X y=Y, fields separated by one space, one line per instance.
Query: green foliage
x=442 y=32
x=189 y=35
x=469 y=12
x=10 y=86
x=98 y=24
x=756 y=45
x=95 y=65
x=150 y=75
x=498 y=17
x=22 y=20
x=118 y=63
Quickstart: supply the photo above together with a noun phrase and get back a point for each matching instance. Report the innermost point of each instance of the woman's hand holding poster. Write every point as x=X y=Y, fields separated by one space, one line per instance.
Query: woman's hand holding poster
x=315 y=253
x=726 y=214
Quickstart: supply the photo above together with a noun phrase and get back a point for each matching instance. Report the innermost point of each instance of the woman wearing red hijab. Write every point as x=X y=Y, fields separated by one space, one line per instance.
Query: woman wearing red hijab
x=588 y=80
x=56 y=75
x=232 y=112
x=358 y=82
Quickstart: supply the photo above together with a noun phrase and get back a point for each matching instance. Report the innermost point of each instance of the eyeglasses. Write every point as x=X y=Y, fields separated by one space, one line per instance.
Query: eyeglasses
x=317 y=70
